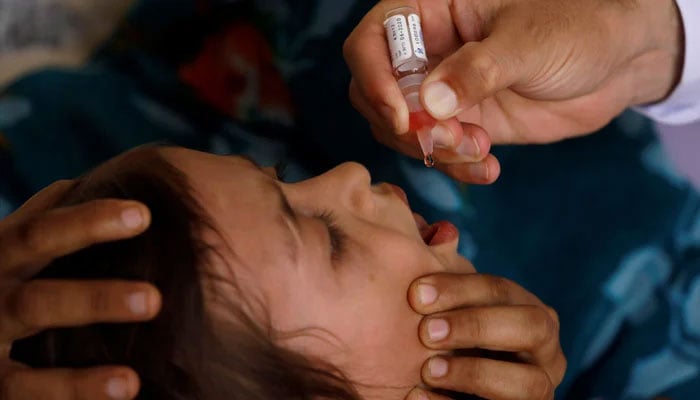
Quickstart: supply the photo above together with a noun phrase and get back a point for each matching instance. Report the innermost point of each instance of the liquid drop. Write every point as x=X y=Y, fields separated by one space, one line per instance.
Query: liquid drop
x=429 y=161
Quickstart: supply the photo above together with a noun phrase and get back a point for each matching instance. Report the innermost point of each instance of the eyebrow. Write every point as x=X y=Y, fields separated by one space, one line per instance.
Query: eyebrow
x=289 y=219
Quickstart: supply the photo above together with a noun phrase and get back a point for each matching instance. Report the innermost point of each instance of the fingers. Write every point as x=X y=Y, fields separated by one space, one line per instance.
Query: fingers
x=378 y=115
x=460 y=143
x=444 y=291
x=455 y=143
x=487 y=378
x=41 y=200
x=45 y=304
x=484 y=172
x=473 y=73
x=104 y=383
x=462 y=151
x=29 y=244
x=367 y=56
x=504 y=328
x=530 y=333
x=531 y=329
x=468 y=311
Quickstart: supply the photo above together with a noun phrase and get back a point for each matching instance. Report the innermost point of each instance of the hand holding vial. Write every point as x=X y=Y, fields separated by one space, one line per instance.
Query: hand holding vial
x=410 y=63
x=505 y=67
x=460 y=150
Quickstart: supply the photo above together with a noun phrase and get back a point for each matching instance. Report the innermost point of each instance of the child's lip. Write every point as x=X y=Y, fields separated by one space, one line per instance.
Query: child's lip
x=439 y=233
x=421 y=223
x=435 y=234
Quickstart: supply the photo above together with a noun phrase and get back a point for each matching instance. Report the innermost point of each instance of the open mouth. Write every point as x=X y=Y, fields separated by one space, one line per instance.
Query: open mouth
x=432 y=234
x=437 y=233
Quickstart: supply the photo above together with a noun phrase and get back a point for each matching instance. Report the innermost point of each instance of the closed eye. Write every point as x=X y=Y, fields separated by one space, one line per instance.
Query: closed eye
x=338 y=237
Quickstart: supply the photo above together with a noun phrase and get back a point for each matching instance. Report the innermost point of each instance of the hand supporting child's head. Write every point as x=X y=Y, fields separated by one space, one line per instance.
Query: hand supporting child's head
x=300 y=284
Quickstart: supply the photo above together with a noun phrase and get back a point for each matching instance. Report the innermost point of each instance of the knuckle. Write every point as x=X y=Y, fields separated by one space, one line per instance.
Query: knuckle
x=374 y=98
x=539 y=386
x=91 y=218
x=31 y=305
x=472 y=325
x=99 y=302
x=11 y=383
x=32 y=236
x=75 y=387
x=548 y=332
x=96 y=209
x=499 y=289
x=471 y=371
x=486 y=69
x=349 y=47
x=554 y=316
x=356 y=99
x=560 y=368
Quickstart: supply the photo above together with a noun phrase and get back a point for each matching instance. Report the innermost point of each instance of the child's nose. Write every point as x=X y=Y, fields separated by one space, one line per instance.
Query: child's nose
x=351 y=174
x=351 y=182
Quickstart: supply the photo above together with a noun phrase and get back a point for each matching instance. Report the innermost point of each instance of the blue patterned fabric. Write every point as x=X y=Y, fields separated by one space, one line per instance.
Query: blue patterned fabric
x=601 y=227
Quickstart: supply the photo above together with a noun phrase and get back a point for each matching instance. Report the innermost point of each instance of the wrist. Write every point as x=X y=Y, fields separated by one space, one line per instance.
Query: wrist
x=659 y=68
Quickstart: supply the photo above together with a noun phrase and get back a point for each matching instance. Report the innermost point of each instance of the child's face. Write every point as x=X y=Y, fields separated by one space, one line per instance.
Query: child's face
x=346 y=283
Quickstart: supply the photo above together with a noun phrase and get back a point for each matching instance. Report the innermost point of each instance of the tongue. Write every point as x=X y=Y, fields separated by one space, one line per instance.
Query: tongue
x=438 y=233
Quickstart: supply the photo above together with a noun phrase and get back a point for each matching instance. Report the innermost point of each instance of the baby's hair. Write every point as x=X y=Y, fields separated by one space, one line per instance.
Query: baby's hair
x=178 y=355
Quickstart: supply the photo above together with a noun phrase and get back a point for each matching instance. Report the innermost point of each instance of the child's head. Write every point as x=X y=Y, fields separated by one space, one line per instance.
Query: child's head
x=270 y=289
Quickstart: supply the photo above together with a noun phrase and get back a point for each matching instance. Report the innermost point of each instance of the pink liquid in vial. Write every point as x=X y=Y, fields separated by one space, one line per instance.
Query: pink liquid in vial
x=420 y=119
x=422 y=123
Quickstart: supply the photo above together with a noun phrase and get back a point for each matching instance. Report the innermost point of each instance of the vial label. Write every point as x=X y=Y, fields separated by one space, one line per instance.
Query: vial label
x=398 y=35
x=417 y=36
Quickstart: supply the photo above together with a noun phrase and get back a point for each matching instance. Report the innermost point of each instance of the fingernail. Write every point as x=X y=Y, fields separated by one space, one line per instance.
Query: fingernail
x=440 y=100
x=132 y=218
x=438 y=329
x=437 y=367
x=417 y=394
x=427 y=294
x=479 y=171
x=117 y=388
x=442 y=137
x=138 y=303
x=469 y=147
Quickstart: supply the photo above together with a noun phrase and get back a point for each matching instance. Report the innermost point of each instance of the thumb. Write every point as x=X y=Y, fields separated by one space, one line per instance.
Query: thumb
x=473 y=73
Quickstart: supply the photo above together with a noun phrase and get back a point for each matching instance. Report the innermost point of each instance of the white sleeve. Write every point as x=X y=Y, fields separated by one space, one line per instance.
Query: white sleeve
x=683 y=106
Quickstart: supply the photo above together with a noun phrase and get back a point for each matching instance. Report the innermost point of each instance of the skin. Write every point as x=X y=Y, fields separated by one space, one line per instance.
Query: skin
x=503 y=86
x=532 y=71
x=354 y=295
x=356 y=300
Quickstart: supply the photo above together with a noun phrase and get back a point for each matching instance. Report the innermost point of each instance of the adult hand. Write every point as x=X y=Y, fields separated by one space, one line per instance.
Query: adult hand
x=527 y=71
x=31 y=238
x=503 y=341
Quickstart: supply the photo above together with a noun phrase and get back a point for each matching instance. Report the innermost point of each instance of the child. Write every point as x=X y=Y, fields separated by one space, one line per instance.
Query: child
x=271 y=290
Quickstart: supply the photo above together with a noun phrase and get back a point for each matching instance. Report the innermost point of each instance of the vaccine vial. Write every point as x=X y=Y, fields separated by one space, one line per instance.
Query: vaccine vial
x=409 y=60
